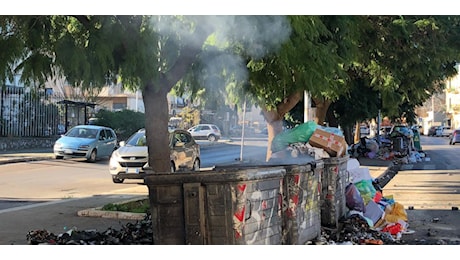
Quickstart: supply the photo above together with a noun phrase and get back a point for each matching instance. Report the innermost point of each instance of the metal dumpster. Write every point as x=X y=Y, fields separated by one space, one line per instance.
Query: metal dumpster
x=334 y=181
x=301 y=203
x=236 y=206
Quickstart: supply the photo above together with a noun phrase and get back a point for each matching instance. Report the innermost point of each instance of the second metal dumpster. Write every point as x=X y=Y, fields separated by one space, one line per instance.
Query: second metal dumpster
x=334 y=181
x=301 y=203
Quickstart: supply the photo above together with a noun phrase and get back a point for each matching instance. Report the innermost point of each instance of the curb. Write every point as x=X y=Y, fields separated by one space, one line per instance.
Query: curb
x=98 y=212
x=388 y=174
x=24 y=159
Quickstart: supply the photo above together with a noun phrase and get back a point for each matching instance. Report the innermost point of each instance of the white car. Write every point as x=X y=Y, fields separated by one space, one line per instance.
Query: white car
x=129 y=161
x=205 y=132
x=443 y=131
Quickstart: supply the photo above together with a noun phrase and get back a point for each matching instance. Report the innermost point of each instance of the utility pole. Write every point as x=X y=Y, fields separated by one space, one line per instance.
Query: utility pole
x=379 y=116
x=306 y=106
x=432 y=110
x=242 y=130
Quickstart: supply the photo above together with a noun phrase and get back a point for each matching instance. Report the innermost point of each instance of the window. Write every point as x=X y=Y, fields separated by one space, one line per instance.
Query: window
x=102 y=136
x=109 y=134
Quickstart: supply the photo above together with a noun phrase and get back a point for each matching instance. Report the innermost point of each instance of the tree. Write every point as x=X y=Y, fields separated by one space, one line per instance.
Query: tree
x=274 y=58
x=356 y=65
x=313 y=59
x=406 y=60
x=151 y=53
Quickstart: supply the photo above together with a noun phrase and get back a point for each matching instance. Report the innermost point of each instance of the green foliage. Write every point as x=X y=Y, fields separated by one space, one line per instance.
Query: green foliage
x=295 y=116
x=137 y=206
x=230 y=59
x=124 y=122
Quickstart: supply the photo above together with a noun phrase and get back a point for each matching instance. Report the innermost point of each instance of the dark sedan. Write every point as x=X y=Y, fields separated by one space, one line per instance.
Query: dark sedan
x=432 y=131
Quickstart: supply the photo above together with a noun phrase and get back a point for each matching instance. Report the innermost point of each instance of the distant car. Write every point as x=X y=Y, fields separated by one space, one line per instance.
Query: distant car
x=129 y=161
x=432 y=131
x=60 y=129
x=93 y=121
x=443 y=131
x=454 y=137
x=86 y=141
x=205 y=132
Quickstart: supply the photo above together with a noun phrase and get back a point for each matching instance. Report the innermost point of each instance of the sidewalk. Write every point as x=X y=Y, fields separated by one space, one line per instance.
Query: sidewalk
x=59 y=216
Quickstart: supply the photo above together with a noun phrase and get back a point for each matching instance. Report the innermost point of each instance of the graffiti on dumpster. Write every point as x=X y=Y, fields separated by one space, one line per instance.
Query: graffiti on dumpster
x=254 y=219
x=238 y=216
x=312 y=198
x=294 y=191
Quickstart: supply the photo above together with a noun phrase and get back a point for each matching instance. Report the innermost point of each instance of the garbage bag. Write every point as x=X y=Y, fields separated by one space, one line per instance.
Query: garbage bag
x=366 y=189
x=300 y=133
x=395 y=212
x=353 y=199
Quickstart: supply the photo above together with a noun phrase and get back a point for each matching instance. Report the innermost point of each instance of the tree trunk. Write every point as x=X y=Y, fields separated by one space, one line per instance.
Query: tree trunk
x=156 y=102
x=156 y=131
x=275 y=117
x=322 y=106
x=274 y=127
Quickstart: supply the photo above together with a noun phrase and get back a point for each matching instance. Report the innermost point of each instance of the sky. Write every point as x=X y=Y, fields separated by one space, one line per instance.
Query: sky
x=240 y=7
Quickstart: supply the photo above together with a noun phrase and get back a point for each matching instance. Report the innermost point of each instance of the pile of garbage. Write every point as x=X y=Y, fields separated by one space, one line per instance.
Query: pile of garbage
x=137 y=233
x=398 y=146
x=309 y=140
x=372 y=218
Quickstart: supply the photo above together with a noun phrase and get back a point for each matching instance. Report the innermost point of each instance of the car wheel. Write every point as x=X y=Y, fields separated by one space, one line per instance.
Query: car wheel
x=196 y=165
x=115 y=179
x=173 y=168
x=92 y=156
x=212 y=138
x=59 y=157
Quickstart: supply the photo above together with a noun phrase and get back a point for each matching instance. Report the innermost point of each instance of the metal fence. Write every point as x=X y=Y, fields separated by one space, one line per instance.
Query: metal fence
x=26 y=112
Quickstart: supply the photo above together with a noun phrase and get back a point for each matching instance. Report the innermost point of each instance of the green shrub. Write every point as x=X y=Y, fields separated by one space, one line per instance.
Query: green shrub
x=138 y=206
x=124 y=122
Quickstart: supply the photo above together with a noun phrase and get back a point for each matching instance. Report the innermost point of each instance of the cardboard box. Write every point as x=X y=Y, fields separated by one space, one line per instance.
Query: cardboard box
x=333 y=144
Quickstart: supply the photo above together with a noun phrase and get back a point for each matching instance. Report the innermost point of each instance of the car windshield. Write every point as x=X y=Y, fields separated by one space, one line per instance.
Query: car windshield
x=82 y=133
x=138 y=139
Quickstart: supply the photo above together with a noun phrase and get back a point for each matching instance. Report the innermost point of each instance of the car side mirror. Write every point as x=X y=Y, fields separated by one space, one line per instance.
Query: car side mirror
x=122 y=143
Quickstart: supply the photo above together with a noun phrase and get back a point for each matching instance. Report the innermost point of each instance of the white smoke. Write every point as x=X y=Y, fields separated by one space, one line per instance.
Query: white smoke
x=256 y=35
x=259 y=35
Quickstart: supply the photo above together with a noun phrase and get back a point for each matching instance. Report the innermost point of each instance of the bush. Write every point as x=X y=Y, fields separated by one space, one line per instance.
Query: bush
x=138 y=206
x=124 y=122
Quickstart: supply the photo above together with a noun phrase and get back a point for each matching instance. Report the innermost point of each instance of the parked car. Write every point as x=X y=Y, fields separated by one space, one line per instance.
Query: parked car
x=454 y=137
x=129 y=161
x=432 y=131
x=205 y=132
x=443 y=131
x=86 y=141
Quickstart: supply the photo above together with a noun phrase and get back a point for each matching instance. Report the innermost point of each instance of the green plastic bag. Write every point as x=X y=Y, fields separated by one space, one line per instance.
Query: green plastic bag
x=300 y=133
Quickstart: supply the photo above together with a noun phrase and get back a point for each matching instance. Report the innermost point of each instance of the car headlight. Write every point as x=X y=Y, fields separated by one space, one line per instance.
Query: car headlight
x=115 y=155
x=83 y=147
x=57 y=146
